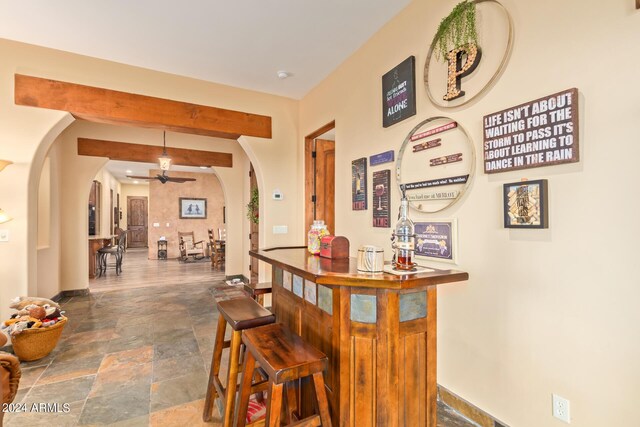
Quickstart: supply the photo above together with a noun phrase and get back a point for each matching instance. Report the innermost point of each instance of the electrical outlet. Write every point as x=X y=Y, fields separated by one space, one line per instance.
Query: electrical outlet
x=561 y=408
x=4 y=235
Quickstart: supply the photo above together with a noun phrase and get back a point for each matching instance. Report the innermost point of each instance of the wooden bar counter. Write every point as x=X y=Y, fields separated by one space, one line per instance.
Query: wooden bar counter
x=378 y=331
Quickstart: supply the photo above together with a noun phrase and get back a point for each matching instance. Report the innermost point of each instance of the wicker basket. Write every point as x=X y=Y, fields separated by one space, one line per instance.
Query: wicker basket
x=34 y=344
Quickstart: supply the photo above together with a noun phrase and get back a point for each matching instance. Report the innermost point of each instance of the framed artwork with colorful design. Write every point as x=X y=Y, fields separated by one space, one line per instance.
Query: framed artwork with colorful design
x=526 y=204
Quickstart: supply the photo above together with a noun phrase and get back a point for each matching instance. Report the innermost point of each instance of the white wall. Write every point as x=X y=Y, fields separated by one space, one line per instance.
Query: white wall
x=544 y=311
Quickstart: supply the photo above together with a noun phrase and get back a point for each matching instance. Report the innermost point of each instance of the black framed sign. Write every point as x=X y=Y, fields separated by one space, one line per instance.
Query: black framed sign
x=381 y=209
x=437 y=240
x=525 y=204
x=399 y=92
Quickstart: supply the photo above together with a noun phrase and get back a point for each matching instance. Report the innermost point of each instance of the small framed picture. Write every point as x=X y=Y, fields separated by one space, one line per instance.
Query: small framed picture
x=526 y=205
x=437 y=240
x=191 y=208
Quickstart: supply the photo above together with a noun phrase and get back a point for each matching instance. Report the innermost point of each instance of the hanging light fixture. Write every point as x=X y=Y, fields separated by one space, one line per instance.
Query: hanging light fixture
x=4 y=217
x=165 y=160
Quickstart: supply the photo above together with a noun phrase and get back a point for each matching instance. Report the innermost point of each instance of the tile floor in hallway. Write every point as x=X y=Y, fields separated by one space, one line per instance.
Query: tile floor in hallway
x=136 y=356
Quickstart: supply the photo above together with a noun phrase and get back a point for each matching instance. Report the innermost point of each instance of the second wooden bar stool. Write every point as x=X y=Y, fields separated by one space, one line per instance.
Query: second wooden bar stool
x=285 y=358
x=241 y=314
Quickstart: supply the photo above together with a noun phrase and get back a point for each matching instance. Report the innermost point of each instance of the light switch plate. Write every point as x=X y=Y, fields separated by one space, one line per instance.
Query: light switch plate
x=4 y=235
x=280 y=229
x=156 y=224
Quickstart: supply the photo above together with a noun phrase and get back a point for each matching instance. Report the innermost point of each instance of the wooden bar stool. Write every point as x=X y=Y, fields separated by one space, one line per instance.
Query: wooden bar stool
x=258 y=290
x=241 y=314
x=285 y=358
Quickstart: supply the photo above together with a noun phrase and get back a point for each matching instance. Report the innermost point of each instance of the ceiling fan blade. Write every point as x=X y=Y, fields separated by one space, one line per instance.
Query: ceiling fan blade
x=141 y=177
x=180 y=180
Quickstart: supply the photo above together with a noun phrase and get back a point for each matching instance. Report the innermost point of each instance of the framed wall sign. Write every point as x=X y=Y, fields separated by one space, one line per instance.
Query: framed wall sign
x=399 y=92
x=437 y=240
x=191 y=208
x=381 y=200
x=359 y=184
x=435 y=164
x=538 y=133
x=526 y=204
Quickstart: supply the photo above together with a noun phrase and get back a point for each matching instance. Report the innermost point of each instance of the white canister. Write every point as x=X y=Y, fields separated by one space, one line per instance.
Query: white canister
x=370 y=259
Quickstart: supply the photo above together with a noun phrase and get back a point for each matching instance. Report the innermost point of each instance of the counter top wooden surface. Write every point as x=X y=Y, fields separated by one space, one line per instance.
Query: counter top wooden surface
x=343 y=271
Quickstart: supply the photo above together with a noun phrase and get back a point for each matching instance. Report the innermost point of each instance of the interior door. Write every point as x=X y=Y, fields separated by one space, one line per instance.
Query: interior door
x=325 y=182
x=137 y=221
x=254 y=235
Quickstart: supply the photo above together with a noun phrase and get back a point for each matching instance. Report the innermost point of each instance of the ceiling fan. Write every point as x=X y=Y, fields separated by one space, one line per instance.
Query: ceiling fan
x=165 y=164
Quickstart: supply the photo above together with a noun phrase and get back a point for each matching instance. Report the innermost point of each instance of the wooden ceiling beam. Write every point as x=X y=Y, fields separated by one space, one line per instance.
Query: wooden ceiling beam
x=122 y=108
x=149 y=153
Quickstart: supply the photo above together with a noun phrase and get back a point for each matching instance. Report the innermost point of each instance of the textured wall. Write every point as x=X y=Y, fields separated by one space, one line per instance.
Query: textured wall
x=164 y=209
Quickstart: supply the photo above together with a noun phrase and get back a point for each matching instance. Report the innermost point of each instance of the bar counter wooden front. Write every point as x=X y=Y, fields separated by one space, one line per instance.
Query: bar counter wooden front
x=378 y=331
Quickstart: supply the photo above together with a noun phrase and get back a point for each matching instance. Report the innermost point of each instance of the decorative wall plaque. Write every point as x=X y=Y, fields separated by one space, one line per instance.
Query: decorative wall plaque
x=437 y=240
x=381 y=198
x=399 y=92
x=537 y=133
x=435 y=164
x=359 y=184
x=459 y=80
x=378 y=159
x=525 y=204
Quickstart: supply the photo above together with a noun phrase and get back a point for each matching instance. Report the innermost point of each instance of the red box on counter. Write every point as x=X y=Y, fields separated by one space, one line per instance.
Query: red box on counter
x=334 y=247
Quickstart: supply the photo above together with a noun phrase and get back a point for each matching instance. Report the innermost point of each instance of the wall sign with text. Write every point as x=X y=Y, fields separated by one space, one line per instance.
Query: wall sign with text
x=359 y=184
x=538 y=133
x=381 y=185
x=399 y=92
x=437 y=240
x=435 y=164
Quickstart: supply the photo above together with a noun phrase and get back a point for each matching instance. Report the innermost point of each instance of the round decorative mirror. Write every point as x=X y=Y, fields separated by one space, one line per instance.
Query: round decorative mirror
x=435 y=164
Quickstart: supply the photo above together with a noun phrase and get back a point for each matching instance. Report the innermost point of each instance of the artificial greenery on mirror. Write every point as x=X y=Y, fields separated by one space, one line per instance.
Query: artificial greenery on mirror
x=456 y=30
x=253 y=206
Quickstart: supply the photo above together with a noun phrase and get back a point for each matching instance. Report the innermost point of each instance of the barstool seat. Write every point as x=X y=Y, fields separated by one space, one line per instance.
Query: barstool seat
x=285 y=358
x=258 y=290
x=241 y=314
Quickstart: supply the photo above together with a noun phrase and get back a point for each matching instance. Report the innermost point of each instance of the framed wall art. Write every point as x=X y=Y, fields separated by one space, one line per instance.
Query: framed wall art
x=437 y=240
x=192 y=208
x=359 y=184
x=526 y=204
x=399 y=92
x=380 y=188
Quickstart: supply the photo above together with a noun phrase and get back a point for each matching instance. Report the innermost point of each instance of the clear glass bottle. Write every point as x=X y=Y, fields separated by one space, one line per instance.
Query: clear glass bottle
x=316 y=233
x=404 y=237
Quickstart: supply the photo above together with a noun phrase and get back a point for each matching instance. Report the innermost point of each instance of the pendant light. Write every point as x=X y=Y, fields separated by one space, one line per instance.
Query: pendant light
x=4 y=217
x=165 y=160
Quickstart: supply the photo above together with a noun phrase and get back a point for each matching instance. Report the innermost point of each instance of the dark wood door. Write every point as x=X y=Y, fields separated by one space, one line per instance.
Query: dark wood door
x=254 y=236
x=137 y=221
x=320 y=178
x=325 y=182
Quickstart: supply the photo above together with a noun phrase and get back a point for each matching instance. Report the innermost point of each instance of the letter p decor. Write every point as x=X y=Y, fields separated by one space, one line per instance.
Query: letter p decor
x=457 y=70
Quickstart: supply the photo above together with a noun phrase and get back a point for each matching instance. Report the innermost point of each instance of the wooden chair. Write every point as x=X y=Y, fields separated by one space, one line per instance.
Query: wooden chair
x=285 y=358
x=189 y=247
x=241 y=314
x=216 y=251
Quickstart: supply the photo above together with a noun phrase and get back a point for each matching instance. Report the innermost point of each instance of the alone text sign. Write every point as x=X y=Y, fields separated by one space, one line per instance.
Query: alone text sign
x=538 y=133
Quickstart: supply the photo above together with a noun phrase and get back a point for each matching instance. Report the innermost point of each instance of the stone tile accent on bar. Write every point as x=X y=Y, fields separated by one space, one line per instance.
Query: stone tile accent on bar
x=363 y=308
x=297 y=285
x=310 y=291
x=413 y=306
x=325 y=299
x=278 y=275
x=286 y=280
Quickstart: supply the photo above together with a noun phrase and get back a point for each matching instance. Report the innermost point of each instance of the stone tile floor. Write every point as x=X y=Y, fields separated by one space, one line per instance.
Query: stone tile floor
x=136 y=357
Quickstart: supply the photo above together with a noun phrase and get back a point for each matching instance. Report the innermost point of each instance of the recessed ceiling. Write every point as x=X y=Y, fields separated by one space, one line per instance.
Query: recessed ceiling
x=237 y=43
x=119 y=170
